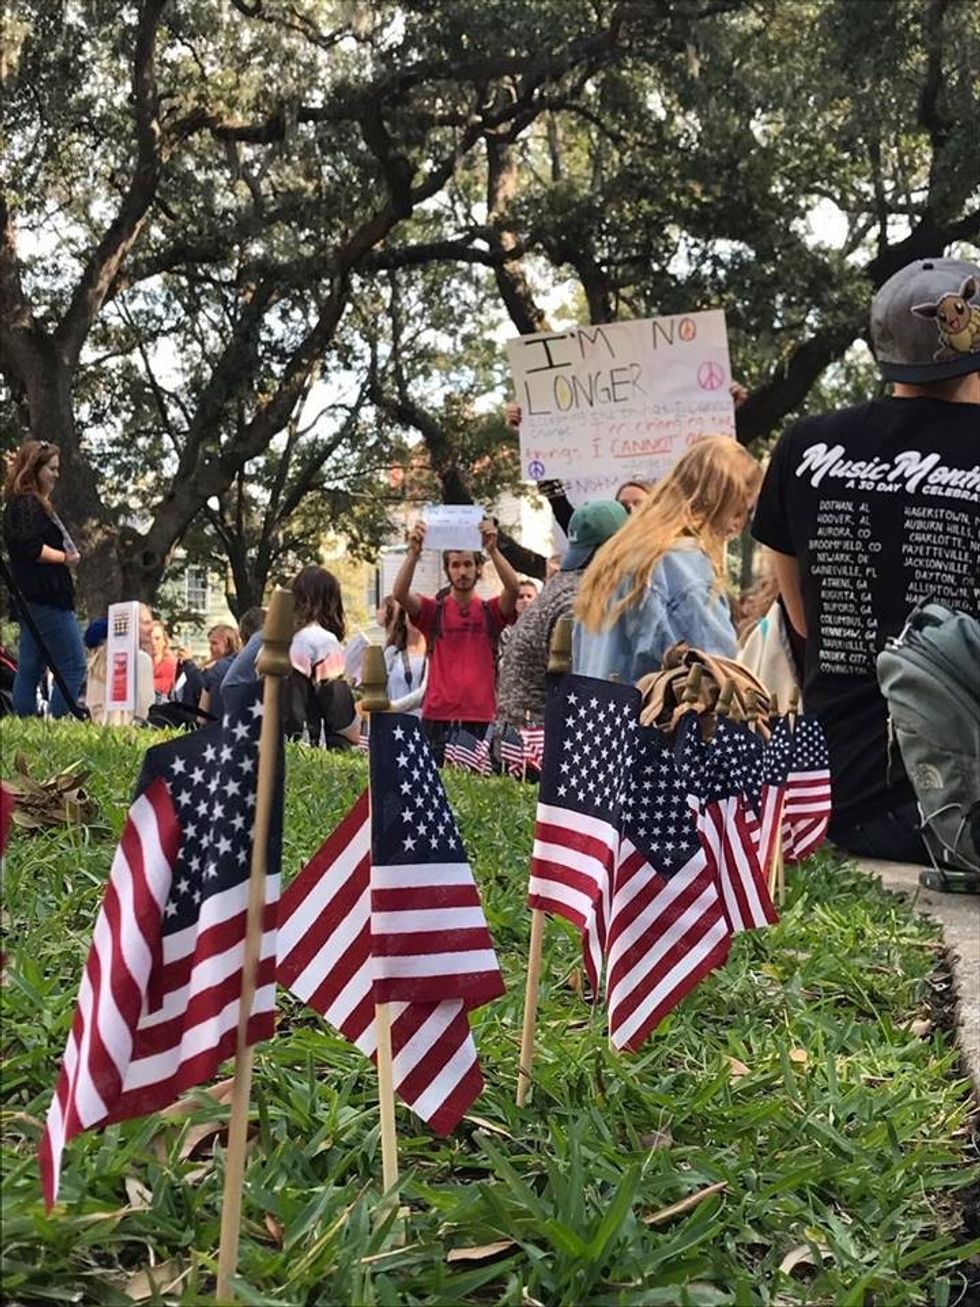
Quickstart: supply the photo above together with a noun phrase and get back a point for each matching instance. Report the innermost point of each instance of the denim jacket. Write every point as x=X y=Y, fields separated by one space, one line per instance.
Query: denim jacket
x=679 y=604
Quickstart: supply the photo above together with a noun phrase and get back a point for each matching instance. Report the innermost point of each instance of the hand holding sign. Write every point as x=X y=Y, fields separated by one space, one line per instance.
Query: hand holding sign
x=453 y=526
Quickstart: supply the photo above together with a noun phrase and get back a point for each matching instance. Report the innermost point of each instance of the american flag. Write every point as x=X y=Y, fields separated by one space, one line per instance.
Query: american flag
x=159 y=1001
x=718 y=776
x=363 y=736
x=464 y=750
x=387 y=911
x=668 y=927
x=767 y=789
x=806 y=813
x=590 y=742
x=521 y=748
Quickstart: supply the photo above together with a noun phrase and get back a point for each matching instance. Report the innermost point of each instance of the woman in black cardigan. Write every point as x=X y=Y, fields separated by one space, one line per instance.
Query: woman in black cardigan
x=41 y=552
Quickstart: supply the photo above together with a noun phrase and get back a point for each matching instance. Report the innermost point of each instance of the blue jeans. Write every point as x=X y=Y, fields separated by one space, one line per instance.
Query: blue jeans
x=59 y=631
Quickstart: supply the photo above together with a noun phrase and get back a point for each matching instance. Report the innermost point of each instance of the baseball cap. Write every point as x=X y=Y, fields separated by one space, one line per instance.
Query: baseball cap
x=591 y=526
x=925 y=321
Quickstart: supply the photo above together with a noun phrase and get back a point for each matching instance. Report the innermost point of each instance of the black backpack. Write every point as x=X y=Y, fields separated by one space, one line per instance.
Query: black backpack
x=320 y=709
x=930 y=676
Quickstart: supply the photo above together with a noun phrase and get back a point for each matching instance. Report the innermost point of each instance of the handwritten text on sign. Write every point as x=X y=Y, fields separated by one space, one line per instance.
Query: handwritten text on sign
x=605 y=403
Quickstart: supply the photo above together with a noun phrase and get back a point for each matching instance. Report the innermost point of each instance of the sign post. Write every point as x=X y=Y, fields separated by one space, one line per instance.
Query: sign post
x=122 y=647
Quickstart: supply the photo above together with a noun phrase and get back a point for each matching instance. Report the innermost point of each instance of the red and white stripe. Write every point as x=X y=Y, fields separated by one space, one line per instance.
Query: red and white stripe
x=764 y=828
x=806 y=813
x=571 y=875
x=665 y=935
x=728 y=843
x=476 y=759
x=325 y=959
x=533 y=737
x=429 y=936
x=154 y=1017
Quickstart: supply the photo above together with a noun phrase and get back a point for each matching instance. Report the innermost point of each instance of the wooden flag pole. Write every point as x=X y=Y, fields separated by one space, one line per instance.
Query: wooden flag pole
x=374 y=684
x=559 y=664
x=530 y=1006
x=777 y=869
x=272 y=664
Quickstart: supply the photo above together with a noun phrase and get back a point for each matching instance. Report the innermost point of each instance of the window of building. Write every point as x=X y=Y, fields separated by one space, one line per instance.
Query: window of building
x=196 y=583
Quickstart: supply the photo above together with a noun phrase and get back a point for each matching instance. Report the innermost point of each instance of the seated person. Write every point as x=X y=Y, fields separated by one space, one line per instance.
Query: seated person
x=317 y=691
x=869 y=511
x=224 y=644
x=662 y=577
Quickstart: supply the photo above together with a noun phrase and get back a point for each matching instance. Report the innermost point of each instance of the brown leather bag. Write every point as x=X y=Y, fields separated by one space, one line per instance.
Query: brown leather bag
x=663 y=691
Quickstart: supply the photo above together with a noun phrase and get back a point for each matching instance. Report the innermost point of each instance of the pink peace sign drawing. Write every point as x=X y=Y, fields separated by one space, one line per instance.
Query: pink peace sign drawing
x=711 y=375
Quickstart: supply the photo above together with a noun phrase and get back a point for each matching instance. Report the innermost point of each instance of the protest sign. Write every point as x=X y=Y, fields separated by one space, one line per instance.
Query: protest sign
x=452 y=526
x=606 y=403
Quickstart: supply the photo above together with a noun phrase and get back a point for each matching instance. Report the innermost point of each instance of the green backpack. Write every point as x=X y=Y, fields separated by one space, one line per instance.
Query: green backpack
x=930 y=676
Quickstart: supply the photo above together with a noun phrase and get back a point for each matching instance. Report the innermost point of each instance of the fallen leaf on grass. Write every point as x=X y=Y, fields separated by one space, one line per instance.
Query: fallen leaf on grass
x=153 y=1281
x=799 y=1055
x=275 y=1228
x=685 y=1204
x=797 y=1256
x=921 y=1028
x=481 y=1253
x=574 y=982
x=736 y=1069
x=140 y=1198
x=657 y=1139
x=198 y=1135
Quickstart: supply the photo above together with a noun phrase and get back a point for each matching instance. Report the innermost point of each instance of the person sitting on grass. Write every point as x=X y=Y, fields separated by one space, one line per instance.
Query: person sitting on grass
x=661 y=578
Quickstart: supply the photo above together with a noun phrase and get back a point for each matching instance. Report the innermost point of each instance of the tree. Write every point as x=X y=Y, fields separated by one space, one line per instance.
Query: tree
x=204 y=188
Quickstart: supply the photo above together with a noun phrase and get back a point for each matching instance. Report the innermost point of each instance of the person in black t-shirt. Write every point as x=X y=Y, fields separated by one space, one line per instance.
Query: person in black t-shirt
x=869 y=511
x=41 y=552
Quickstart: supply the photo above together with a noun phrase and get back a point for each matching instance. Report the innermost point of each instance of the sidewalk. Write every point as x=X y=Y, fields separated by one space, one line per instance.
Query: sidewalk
x=959 y=916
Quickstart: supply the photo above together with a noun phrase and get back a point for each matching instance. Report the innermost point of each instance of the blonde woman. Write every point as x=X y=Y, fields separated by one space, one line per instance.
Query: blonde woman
x=661 y=578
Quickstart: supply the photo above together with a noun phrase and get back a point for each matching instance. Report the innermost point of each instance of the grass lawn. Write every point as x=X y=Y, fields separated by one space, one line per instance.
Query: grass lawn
x=795 y=1076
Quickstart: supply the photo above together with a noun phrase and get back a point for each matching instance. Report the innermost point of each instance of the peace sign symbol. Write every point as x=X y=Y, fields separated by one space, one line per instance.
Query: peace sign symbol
x=711 y=375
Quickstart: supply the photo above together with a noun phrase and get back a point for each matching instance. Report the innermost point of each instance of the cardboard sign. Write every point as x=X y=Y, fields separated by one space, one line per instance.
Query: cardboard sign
x=122 y=644
x=601 y=405
x=452 y=526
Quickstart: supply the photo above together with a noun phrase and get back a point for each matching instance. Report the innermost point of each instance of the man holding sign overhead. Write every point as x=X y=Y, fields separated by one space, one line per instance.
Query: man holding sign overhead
x=461 y=629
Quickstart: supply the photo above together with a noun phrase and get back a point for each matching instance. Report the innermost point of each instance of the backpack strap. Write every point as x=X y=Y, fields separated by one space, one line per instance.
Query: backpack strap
x=436 y=630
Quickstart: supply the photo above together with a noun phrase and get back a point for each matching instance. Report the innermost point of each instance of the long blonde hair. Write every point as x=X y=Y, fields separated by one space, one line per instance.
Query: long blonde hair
x=696 y=501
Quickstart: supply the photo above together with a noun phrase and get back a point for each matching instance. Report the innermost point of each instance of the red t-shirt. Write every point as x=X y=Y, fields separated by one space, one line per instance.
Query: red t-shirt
x=462 y=676
x=165 y=674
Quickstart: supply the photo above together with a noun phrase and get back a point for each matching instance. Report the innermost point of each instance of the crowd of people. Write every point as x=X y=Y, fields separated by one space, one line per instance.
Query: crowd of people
x=854 y=510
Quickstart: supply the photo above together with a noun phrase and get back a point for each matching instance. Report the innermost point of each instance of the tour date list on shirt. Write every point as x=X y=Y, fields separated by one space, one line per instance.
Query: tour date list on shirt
x=883 y=521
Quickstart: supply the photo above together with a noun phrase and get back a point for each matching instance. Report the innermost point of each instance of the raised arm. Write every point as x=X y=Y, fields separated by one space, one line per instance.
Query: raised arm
x=402 y=588
x=508 y=577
